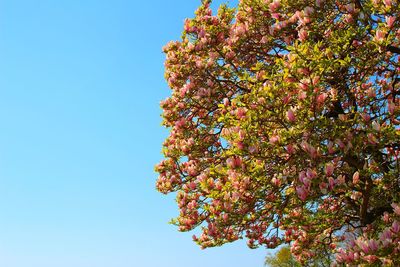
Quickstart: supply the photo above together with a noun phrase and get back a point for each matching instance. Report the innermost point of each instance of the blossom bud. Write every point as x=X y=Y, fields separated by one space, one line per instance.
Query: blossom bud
x=290 y=115
x=356 y=177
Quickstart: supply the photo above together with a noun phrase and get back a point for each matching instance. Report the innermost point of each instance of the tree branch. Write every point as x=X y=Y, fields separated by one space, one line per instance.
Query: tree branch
x=393 y=49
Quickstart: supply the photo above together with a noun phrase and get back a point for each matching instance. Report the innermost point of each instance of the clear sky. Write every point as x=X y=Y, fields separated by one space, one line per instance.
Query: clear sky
x=80 y=85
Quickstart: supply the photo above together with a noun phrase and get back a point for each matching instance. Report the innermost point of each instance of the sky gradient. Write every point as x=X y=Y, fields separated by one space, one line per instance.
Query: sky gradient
x=80 y=132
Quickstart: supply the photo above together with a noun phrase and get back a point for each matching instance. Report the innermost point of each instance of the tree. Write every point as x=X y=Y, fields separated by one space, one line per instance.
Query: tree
x=283 y=258
x=284 y=126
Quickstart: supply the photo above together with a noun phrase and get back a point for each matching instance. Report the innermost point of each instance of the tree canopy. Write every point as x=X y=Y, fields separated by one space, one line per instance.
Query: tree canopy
x=282 y=258
x=284 y=126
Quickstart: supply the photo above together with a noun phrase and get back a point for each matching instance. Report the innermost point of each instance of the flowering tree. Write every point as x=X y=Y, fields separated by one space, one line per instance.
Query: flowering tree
x=284 y=126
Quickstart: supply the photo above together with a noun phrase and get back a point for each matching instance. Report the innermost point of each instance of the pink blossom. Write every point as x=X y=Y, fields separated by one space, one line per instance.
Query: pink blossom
x=388 y=3
x=363 y=245
x=234 y=162
x=356 y=43
x=371 y=258
x=379 y=35
x=386 y=217
x=372 y=139
x=391 y=107
x=290 y=115
x=373 y=245
x=341 y=179
x=301 y=192
x=396 y=227
x=319 y=2
x=348 y=18
x=302 y=95
x=304 y=85
x=385 y=235
x=303 y=34
x=226 y=102
x=286 y=99
x=275 y=181
x=390 y=21
x=371 y=92
x=290 y=149
x=330 y=148
x=340 y=143
x=331 y=183
x=276 y=16
x=350 y=8
x=274 y=139
x=376 y=126
x=274 y=5
x=365 y=117
x=308 y=11
x=230 y=55
x=302 y=176
x=356 y=177
x=321 y=98
x=240 y=29
x=192 y=185
x=311 y=173
x=180 y=123
x=253 y=149
x=329 y=169
x=241 y=113
x=235 y=196
x=307 y=182
x=396 y=208
x=323 y=186
x=304 y=20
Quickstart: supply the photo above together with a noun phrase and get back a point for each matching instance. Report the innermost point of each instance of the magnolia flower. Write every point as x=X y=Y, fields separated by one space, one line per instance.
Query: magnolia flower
x=230 y=55
x=290 y=115
x=390 y=21
x=308 y=11
x=350 y=8
x=241 y=113
x=371 y=258
x=323 y=187
x=290 y=149
x=391 y=107
x=274 y=5
x=372 y=139
x=372 y=245
x=379 y=35
x=303 y=34
x=376 y=126
x=331 y=183
x=301 y=192
x=321 y=98
x=388 y=3
x=385 y=235
x=226 y=102
x=329 y=169
x=274 y=139
x=319 y=2
x=311 y=173
x=396 y=208
x=371 y=92
x=356 y=177
x=331 y=150
x=365 y=117
x=234 y=162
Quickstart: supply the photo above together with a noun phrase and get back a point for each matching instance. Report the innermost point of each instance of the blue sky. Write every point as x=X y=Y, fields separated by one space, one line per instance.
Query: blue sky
x=80 y=132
